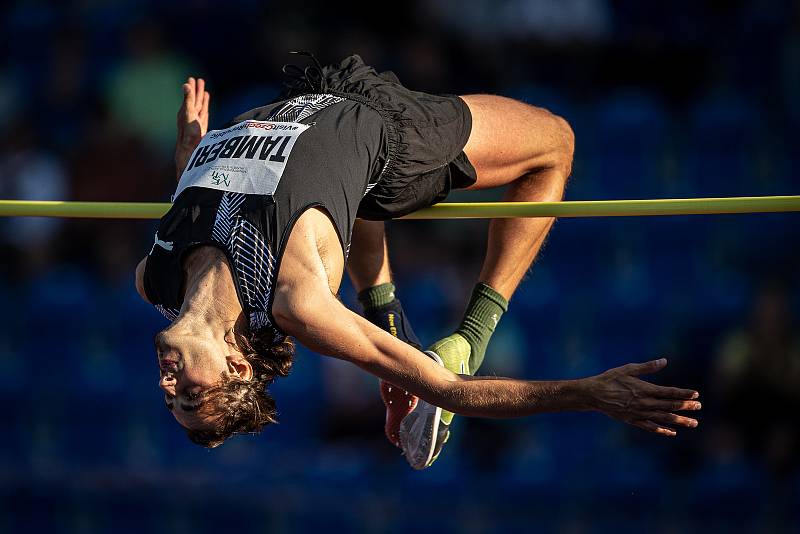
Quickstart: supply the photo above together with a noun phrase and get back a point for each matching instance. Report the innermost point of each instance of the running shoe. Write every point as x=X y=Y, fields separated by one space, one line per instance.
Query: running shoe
x=419 y=430
x=425 y=430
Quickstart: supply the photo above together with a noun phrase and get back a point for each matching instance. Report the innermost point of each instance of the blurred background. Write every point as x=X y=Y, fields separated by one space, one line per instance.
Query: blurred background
x=670 y=99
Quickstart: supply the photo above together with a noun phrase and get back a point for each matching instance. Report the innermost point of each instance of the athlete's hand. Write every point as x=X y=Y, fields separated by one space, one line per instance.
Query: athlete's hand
x=192 y=121
x=619 y=394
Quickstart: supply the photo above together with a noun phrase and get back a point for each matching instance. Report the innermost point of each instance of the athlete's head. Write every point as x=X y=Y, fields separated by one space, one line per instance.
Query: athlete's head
x=216 y=386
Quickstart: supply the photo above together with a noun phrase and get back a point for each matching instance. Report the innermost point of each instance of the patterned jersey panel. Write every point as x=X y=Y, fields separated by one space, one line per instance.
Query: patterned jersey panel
x=302 y=107
x=254 y=263
x=169 y=313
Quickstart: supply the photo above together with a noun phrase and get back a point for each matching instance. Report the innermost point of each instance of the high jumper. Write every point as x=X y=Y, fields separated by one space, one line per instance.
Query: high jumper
x=270 y=211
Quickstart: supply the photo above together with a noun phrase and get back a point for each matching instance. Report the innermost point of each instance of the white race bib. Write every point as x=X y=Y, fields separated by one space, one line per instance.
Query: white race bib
x=248 y=157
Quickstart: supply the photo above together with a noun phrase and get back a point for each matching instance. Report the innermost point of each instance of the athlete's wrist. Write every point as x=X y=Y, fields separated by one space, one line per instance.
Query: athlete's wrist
x=580 y=394
x=182 y=155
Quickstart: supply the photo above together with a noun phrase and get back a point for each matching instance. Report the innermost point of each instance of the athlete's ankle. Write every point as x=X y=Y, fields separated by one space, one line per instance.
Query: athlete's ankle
x=483 y=313
x=377 y=296
x=454 y=351
x=382 y=308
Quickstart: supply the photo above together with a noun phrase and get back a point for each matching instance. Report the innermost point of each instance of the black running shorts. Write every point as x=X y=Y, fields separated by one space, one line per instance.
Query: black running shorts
x=426 y=135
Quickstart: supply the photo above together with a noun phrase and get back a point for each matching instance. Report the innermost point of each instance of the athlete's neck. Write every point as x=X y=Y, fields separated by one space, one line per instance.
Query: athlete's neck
x=210 y=300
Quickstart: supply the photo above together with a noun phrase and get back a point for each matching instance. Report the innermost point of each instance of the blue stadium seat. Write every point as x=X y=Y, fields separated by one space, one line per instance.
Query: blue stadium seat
x=723 y=132
x=630 y=129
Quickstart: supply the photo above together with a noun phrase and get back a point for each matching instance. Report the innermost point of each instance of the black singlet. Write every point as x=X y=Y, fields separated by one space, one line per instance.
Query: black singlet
x=332 y=164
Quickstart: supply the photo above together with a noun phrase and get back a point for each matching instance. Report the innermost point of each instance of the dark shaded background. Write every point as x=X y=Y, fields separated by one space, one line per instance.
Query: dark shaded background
x=668 y=99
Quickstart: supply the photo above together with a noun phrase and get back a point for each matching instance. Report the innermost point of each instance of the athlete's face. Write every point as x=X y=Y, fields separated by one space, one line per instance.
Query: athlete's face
x=189 y=364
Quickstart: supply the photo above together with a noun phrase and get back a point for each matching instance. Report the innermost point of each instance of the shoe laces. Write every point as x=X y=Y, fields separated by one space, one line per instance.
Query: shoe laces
x=309 y=79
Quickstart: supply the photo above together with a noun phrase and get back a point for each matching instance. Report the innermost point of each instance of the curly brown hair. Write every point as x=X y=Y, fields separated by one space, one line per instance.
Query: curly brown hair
x=238 y=406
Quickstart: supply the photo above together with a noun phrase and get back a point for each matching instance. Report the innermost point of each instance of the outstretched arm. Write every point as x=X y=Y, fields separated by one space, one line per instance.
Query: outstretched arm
x=323 y=324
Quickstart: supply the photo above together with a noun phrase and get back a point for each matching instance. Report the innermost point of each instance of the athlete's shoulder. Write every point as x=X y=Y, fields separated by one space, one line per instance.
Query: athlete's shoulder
x=140 y=280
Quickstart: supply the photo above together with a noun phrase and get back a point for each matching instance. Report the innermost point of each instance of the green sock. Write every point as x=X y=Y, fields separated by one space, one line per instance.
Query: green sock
x=377 y=296
x=485 y=308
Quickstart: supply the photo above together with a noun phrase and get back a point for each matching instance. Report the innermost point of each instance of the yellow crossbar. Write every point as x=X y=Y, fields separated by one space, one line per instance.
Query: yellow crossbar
x=448 y=210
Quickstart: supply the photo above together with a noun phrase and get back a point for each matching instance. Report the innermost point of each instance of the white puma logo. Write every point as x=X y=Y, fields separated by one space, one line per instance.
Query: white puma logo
x=166 y=245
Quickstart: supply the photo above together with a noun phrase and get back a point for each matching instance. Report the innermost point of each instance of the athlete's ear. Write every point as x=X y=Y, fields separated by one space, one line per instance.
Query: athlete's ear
x=239 y=367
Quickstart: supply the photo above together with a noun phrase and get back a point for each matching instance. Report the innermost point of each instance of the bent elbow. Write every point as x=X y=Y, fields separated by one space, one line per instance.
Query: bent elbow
x=298 y=315
x=290 y=315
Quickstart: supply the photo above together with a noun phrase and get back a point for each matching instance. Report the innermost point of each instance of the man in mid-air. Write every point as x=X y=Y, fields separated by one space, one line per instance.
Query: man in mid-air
x=271 y=209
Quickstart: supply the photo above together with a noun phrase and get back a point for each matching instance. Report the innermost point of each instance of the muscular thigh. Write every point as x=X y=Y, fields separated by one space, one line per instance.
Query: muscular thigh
x=510 y=139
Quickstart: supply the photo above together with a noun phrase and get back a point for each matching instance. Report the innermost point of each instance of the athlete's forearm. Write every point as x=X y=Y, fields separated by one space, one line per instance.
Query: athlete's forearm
x=504 y=397
x=494 y=397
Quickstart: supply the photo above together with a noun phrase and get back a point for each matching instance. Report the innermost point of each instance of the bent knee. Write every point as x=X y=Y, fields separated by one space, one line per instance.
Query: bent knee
x=550 y=140
x=567 y=136
x=564 y=145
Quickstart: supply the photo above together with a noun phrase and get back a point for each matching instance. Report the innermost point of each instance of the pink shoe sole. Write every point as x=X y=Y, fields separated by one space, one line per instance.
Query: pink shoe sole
x=399 y=403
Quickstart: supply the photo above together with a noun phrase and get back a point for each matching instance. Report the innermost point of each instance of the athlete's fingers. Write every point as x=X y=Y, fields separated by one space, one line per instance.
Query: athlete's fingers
x=670 y=405
x=188 y=96
x=200 y=91
x=182 y=109
x=646 y=368
x=204 y=109
x=663 y=392
x=666 y=418
x=182 y=112
x=652 y=427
